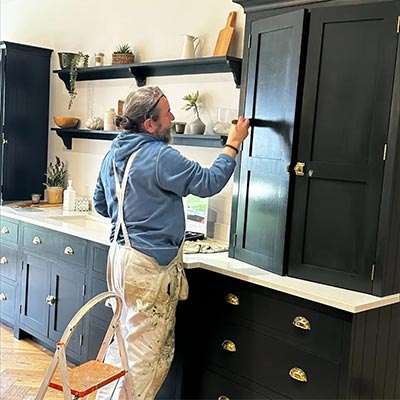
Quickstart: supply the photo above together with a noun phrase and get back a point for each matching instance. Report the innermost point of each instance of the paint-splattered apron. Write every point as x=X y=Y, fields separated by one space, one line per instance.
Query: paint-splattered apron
x=151 y=293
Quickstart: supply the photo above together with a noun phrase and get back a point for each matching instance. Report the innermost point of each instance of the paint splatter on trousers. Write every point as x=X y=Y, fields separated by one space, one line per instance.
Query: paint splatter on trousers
x=150 y=295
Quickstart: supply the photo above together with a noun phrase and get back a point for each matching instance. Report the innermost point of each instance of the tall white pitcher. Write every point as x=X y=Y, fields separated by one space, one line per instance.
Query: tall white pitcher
x=190 y=45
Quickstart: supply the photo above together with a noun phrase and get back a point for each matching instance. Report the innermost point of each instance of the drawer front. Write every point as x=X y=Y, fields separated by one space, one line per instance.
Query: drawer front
x=8 y=263
x=70 y=249
x=262 y=310
x=215 y=386
x=100 y=254
x=7 y=301
x=37 y=240
x=268 y=361
x=9 y=231
x=65 y=247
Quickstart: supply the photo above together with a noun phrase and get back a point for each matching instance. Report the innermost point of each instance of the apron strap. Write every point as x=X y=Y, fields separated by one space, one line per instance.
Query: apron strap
x=120 y=191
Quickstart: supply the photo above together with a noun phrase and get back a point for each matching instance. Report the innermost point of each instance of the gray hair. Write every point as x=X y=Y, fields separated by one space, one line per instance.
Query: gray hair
x=140 y=105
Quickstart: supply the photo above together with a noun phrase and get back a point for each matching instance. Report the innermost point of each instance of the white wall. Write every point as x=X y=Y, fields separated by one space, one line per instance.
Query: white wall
x=153 y=28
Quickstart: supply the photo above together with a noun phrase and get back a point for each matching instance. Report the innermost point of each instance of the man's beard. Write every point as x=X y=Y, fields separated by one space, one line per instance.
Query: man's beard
x=164 y=135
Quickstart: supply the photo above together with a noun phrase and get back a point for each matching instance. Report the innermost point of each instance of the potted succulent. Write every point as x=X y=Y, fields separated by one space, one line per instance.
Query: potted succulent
x=123 y=54
x=77 y=61
x=56 y=178
x=197 y=127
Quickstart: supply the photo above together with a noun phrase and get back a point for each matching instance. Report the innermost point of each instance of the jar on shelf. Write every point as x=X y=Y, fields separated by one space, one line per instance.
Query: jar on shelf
x=99 y=59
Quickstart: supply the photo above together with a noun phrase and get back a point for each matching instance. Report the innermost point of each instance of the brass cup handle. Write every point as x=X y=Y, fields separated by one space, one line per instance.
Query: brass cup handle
x=5 y=230
x=302 y=323
x=299 y=168
x=3 y=297
x=3 y=260
x=298 y=374
x=69 y=251
x=232 y=299
x=36 y=240
x=50 y=300
x=222 y=397
x=228 y=345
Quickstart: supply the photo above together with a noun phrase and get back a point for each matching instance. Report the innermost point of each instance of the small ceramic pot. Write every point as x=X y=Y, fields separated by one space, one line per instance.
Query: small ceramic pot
x=180 y=127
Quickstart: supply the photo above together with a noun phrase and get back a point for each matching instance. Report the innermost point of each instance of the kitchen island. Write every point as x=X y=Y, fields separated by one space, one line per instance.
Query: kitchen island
x=250 y=334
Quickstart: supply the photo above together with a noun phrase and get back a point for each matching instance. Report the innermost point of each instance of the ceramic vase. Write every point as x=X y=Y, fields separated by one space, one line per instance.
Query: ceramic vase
x=197 y=127
x=55 y=194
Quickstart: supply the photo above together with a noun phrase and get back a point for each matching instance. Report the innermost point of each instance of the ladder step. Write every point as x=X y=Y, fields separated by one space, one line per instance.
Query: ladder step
x=88 y=377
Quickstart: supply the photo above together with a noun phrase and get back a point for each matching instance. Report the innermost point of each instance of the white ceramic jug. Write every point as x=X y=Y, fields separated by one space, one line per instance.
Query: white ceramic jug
x=190 y=45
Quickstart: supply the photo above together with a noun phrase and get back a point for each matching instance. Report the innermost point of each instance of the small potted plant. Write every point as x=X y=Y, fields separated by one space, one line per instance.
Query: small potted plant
x=123 y=55
x=56 y=177
x=78 y=60
x=197 y=127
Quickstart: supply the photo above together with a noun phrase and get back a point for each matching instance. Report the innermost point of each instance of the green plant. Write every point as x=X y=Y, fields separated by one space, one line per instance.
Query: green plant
x=123 y=48
x=192 y=100
x=73 y=74
x=56 y=174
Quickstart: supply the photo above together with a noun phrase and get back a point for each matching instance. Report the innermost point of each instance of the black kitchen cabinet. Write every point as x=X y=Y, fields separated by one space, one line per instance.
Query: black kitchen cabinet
x=24 y=99
x=247 y=341
x=52 y=290
x=334 y=220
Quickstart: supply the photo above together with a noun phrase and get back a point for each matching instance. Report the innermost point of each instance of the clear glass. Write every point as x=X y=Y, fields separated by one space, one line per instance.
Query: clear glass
x=224 y=120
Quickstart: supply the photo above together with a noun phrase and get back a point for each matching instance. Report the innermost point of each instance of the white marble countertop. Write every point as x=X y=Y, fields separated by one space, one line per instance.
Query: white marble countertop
x=93 y=227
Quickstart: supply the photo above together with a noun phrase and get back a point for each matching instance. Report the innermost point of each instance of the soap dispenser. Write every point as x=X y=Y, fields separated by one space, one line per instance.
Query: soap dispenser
x=69 y=197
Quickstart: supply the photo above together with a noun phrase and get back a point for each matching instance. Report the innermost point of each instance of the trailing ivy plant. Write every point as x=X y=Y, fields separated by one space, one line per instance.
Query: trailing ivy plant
x=73 y=74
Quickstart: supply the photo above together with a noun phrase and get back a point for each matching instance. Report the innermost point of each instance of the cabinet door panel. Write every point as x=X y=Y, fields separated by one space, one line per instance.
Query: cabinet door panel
x=35 y=288
x=7 y=302
x=273 y=67
x=345 y=114
x=67 y=286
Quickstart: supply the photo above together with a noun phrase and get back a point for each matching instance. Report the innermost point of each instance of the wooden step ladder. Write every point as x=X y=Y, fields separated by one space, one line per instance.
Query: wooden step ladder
x=86 y=378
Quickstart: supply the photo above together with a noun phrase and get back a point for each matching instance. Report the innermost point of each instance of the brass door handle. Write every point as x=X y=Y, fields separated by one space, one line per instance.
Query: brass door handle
x=222 y=397
x=228 y=345
x=302 y=323
x=299 y=168
x=69 y=251
x=3 y=297
x=5 y=141
x=5 y=230
x=50 y=300
x=232 y=299
x=36 y=240
x=298 y=374
x=3 y=260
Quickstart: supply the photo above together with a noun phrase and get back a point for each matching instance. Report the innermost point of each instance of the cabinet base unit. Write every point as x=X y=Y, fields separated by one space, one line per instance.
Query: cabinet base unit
x=276 y=346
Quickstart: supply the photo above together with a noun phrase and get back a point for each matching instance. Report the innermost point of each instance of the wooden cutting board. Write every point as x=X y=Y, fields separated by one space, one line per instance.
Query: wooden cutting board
x=225 y=36
x=40 y=205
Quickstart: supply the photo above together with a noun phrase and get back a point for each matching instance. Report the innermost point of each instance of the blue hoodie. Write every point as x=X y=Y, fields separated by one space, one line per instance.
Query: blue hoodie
x=158 y=179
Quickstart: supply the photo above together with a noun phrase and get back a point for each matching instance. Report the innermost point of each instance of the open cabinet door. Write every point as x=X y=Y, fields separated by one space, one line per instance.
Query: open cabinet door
x=271 y=98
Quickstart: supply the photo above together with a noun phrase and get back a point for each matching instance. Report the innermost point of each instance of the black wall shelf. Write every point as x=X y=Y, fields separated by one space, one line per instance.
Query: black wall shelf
x=140 y=71
x=178 y=139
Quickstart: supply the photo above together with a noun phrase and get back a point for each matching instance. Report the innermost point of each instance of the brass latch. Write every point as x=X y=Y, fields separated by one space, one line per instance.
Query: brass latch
x=299 y=169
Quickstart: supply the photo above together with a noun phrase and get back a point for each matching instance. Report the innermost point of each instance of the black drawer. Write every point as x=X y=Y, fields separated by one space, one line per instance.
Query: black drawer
x=67 y=248
x=215 y=386
x=8 y=263
x=263 y=309
x=9 y=231
x=267 y=361
x=7 y=301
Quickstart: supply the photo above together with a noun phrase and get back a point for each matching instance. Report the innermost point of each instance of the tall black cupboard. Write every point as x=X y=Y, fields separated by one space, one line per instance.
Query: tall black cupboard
x=315 y=196
x=24 y=113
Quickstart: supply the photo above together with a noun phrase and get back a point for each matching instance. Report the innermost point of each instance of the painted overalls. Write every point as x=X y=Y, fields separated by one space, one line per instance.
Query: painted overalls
x=151 y=293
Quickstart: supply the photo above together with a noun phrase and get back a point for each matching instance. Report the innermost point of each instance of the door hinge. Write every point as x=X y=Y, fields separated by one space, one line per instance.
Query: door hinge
x=83 y=290
x=398 y=24
x=373 y=272
x=234 y=239
x=80 y=340
x=20 y=308
x=249 y=41
x=384 y=152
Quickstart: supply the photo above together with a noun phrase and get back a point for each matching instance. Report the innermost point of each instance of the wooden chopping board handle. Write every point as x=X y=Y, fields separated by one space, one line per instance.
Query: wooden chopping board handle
x=231 y=20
